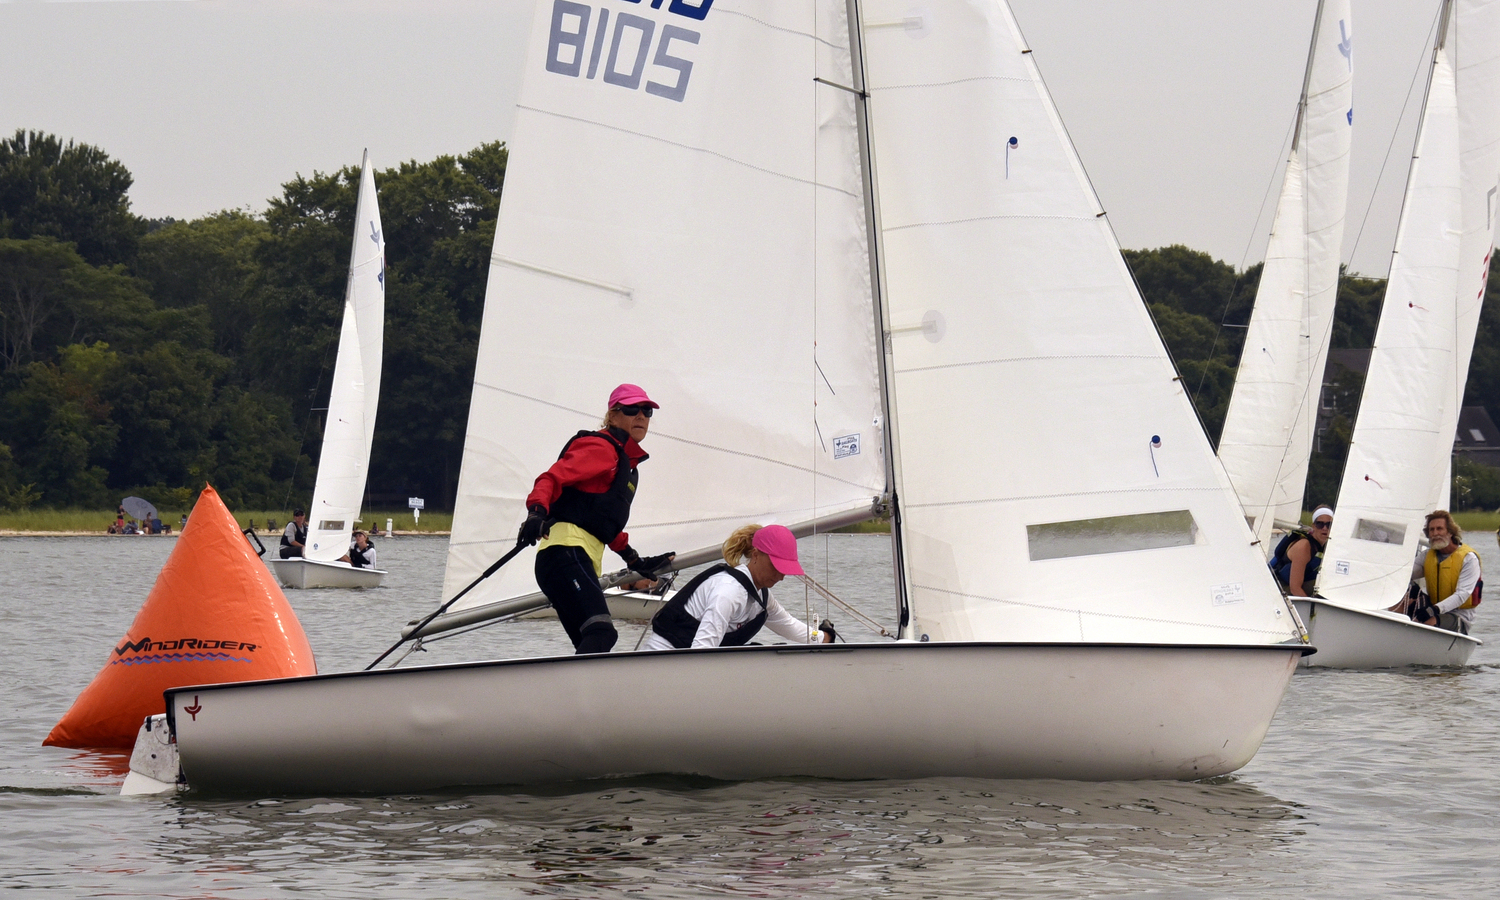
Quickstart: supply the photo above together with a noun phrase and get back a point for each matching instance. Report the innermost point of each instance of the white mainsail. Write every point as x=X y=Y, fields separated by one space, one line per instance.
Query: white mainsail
x=344 y=460
x=683 y=211
x=1268 y=431
x=1403 y=434
x=1055 y=482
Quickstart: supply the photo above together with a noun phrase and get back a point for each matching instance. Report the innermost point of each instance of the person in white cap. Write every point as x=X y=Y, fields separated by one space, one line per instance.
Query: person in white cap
x=727 y=604
x=581 y=505
x=1300 y=554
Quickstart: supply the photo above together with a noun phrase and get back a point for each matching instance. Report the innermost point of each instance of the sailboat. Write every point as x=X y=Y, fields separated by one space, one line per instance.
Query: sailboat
x=1269 y=428
x=1402 y=443
x=344 y=460
x=851 y=251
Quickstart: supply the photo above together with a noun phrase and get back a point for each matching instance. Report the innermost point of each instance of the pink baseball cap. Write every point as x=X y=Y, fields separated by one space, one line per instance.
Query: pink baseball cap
x=777 y=542
x=630 y=395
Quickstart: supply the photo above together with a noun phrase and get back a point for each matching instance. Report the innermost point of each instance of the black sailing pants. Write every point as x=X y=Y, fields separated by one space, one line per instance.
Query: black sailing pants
x=566 y=576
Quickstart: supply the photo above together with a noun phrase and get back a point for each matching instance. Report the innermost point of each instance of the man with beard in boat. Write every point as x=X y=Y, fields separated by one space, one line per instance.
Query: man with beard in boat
x=294 y=538
x=1300 y=554
x=726 y=605
x=581 y=505
x=1454 y=578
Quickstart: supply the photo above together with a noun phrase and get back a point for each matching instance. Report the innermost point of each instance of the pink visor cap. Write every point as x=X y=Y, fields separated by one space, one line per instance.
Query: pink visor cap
x=776 y=541
x=630 y=395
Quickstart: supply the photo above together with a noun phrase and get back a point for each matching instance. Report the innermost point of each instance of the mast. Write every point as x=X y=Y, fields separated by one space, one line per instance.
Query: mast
x=885 y=362
x=1307 y=74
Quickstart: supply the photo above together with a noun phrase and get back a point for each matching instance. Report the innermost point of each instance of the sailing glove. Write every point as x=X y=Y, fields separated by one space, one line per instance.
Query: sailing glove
x=1423 y=613
x=826 y=628
x=535 y=526
x=645 y=566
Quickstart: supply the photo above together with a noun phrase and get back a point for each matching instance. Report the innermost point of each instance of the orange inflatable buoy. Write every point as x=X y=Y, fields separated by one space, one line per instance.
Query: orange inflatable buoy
x=214 y=616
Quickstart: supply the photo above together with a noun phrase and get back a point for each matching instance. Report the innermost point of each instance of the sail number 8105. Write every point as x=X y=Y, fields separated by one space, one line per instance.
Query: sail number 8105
x=630 y=40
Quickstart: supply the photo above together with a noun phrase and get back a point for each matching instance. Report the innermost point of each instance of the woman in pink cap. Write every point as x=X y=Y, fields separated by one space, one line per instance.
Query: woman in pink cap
x=727 y=604
x=579 y=506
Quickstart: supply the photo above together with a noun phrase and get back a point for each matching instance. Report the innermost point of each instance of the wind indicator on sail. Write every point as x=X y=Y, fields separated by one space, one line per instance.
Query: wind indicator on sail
x=1010 y=145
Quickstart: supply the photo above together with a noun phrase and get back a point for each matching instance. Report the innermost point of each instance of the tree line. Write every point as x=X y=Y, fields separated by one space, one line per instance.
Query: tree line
x=154 y=356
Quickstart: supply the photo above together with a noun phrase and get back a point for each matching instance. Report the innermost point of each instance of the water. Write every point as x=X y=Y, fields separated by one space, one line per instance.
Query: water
x=1369 y=785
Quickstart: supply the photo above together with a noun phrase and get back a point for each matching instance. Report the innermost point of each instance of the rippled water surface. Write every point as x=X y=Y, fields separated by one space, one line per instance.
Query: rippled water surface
x=1370 y=784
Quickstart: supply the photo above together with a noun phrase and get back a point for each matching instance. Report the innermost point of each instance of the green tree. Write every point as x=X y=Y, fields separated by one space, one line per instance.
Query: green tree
x=61 y=426
x=208 y=264
x=72 y=192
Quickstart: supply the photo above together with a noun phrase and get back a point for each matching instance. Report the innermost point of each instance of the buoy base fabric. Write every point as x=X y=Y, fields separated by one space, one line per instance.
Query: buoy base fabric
x=215 y=615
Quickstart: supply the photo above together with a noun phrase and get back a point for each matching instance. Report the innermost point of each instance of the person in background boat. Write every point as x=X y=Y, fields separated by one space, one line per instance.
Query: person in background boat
x=726 y=605
x=1454 y=578
x=581 y=505
x=361 y=553
x=294 y=538
x=1300 y=554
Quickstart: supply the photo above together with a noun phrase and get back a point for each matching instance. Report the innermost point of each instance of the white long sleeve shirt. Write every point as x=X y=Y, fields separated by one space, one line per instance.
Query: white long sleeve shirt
x=721 y=605
x=1468 y=577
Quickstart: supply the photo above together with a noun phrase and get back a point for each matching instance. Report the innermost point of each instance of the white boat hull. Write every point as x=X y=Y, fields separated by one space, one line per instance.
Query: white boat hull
x=899 y=710
x=1365 y=639
x=310 y=573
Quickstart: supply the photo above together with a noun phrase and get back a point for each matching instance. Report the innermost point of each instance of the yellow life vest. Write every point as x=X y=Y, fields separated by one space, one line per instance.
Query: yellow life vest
x=1442 y=576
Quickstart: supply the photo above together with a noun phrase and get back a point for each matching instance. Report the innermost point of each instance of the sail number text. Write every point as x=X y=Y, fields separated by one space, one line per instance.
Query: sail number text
x=620 y=49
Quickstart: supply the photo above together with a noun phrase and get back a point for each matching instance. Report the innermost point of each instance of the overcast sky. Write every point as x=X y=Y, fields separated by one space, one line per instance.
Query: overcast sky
x=1180 y=108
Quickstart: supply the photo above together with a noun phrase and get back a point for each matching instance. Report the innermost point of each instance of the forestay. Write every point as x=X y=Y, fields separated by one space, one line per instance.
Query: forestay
x=1268 y=431
x=1055 y=481
x=683 y=210
x=344 y=459
x=1403 y=435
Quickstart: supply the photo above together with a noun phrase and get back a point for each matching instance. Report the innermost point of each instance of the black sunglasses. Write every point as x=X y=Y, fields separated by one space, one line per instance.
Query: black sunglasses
x=1322 y=524
x=632 y=411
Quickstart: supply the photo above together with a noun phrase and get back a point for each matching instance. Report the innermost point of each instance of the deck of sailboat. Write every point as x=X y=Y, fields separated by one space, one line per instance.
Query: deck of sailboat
x=302 y=573
x=849 y=711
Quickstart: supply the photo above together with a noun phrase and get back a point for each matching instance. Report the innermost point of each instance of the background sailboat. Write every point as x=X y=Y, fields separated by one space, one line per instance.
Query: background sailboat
x=716 y=185
x=344 y=459
x=1268 y=431
x=1397 y=469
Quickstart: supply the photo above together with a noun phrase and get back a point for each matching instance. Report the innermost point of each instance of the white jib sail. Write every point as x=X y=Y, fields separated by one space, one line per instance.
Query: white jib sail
x=1268 y=432
x=1476 y=36
x=683 y=211
x=344 y=459
x=1403 y=434
x=1055 y=481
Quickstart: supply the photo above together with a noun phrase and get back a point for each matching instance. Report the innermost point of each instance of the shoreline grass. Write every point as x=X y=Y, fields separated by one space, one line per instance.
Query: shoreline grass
x=97 y=521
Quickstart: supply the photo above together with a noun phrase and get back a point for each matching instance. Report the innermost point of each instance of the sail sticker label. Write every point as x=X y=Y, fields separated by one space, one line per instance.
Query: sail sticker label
x=1341 y=567
x=618 y=49
x=846 y=445
x=1225 y=594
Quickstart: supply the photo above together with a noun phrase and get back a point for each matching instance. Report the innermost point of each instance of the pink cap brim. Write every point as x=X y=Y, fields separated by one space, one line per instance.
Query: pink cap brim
x=786 y=566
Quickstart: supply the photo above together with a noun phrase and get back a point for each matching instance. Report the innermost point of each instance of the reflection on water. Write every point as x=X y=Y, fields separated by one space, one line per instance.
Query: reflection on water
x=778 y=839
x=1370 y=784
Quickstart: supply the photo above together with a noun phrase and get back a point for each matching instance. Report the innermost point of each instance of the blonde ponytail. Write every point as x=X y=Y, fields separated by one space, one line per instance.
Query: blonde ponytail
x=738 y=544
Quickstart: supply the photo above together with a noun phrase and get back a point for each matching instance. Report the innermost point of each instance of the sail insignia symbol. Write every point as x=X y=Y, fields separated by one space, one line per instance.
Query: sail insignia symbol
x=374 y=234
x=1346 y=46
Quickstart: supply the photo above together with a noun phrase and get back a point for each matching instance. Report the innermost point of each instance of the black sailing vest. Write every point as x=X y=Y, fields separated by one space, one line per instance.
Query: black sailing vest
x=300 y=531
x=602 y=515
x=675 y=624
x=357 y=557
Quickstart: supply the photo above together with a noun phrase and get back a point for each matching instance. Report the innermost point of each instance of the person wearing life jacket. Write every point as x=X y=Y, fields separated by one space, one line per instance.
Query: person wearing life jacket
x=361 y=553
x=581 y=505
x=294 y=538
x=1300 y=554
x=726 y=605
x=1454 y=578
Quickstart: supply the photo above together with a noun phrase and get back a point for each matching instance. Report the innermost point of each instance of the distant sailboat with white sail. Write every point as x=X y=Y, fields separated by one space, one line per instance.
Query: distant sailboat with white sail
x=868 y=268
x=343 y=462
x=1397 y=469
x=1269 y=429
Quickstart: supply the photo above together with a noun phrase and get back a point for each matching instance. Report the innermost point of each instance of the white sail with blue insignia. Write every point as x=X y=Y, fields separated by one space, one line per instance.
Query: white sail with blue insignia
x=1403 y=435
x=344 y=460
x=683 y=211
x=1268 y=431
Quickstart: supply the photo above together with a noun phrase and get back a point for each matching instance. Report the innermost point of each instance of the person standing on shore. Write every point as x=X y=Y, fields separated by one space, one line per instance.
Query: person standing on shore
x=581 y=505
